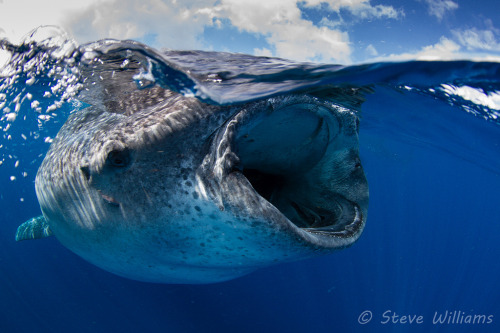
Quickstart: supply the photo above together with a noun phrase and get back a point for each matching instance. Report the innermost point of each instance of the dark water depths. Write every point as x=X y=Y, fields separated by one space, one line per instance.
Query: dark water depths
x=430 y=147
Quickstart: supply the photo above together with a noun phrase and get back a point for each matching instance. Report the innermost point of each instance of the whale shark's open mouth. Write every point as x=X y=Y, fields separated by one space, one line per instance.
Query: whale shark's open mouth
x=300 y=159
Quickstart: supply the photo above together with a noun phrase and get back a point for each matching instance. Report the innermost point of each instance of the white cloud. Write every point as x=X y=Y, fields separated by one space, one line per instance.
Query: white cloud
x=19 y=17
x=445 y=49
x=325 y=22
x=371 y=50
x=361 y=8
x=284 y=28
x=294 y=37
x=180 y=24
x=438 y=8
x=263 y=52
x=475 y=39
x=169 y=24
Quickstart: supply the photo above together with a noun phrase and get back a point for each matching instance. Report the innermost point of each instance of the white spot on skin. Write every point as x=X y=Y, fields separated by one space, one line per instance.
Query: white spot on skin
x=12 y=178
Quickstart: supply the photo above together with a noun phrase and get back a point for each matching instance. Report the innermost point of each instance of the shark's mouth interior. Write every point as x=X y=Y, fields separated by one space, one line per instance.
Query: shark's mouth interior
x=284 y=154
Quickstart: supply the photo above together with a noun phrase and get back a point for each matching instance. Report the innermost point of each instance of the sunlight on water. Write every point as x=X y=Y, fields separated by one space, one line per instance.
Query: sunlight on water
x=490 y=100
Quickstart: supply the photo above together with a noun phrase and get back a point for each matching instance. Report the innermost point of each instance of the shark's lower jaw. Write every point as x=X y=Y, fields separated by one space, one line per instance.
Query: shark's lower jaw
x=300 y=158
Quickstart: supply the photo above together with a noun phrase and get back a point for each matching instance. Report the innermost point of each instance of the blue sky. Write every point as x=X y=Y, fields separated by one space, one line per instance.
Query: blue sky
x=333 y=31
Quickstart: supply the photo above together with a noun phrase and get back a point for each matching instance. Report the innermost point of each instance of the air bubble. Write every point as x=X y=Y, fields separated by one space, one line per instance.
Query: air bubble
x=35 y=104
x=30 y=81
x=11 y=116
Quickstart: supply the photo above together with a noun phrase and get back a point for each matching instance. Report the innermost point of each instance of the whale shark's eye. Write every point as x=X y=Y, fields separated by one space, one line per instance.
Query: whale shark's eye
x=119 y=158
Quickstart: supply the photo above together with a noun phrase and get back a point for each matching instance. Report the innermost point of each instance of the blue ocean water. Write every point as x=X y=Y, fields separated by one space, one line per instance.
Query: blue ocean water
x=430 y=147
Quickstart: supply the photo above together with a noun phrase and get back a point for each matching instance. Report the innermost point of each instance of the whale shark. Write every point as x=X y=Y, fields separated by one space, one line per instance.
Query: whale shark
x=160 y=186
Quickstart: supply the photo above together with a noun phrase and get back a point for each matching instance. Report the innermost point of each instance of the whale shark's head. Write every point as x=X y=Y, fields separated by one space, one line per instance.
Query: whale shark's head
x=183 y=191
x=161 y=187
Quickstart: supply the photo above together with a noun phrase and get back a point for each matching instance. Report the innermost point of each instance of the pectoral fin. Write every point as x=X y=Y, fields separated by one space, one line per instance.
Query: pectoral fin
x=34 y=228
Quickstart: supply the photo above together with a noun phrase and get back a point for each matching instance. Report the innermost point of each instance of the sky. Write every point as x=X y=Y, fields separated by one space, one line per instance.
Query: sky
x=331 y=31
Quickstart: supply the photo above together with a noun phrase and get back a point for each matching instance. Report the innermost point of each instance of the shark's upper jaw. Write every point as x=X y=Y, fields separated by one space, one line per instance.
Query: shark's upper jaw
x=302 y=159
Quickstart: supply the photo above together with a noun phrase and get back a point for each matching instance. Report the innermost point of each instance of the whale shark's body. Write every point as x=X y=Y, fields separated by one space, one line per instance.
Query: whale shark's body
x=162 y=187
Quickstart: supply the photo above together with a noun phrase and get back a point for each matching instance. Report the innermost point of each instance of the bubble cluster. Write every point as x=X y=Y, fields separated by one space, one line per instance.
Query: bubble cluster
x=38 y=80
